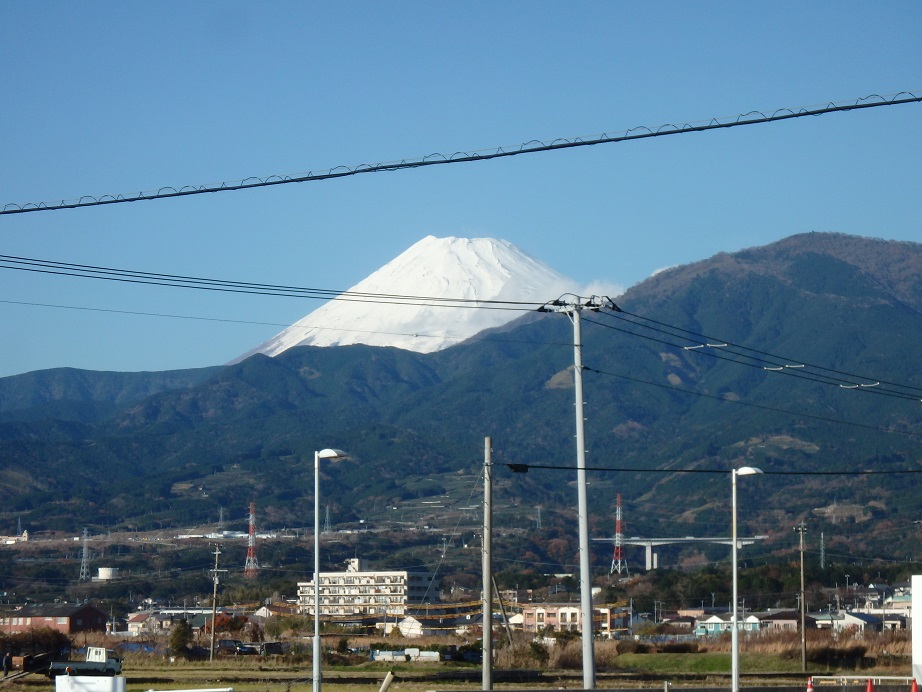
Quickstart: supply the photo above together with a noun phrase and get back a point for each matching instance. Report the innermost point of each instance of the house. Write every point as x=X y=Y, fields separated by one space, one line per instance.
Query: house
x=858 y=621
x=63 y=617
x=680 y=622
x=274 y=610
x=439 y=626
x=723 y=622
x=150 y=622
x=786 y=620
x=140 y=623
x=899 y=602
x=849 y=620
x=567 y=617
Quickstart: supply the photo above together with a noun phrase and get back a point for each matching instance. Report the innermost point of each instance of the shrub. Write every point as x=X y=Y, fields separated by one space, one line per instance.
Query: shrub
x=539 y=652
x=632 y=646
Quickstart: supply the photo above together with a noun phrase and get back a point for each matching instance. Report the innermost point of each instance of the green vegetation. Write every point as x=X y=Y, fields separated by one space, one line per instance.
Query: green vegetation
x=138 y=458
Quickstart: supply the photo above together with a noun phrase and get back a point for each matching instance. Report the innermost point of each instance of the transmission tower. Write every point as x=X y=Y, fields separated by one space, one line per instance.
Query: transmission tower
x=618 y=563
x=251 y=568
x=538 y=523
x=326 y=521
x=85 y=560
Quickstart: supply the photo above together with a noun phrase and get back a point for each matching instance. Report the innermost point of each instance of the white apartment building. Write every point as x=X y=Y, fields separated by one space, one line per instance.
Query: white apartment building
x=360 y=591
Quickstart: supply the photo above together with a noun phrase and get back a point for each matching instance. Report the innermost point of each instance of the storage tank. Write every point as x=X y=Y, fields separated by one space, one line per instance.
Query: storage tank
x=108 y=573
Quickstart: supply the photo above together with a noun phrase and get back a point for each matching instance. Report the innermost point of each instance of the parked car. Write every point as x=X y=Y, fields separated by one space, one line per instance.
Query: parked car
x=228 y=647
x=270 y=649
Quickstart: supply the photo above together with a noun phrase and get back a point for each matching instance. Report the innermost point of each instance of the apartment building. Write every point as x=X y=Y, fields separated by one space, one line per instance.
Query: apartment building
x=563 y=617
x=362 y=591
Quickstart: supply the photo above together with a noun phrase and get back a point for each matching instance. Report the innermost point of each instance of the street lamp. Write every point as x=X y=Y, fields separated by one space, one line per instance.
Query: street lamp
x=734 y=632
x=332 y=454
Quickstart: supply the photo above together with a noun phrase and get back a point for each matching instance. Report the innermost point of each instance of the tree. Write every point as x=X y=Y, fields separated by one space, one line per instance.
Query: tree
x=181 y=637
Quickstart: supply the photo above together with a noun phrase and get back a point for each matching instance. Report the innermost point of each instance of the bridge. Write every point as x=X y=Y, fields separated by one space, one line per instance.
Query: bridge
x=650 y=543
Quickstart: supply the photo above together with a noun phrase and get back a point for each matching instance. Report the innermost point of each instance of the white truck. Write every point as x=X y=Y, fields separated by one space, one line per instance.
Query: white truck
x=99 y=661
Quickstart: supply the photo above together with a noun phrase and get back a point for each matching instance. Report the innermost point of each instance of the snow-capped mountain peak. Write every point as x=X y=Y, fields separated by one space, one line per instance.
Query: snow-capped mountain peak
x=439 y=274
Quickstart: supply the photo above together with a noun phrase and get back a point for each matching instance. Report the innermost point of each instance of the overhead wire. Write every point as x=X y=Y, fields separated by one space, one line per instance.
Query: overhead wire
x=701 y=343
x=780 y=361
x=754 y=117
x=763 y=407
x=305 y=328
x=765 y=362
x=225 y=285
x=524 y=468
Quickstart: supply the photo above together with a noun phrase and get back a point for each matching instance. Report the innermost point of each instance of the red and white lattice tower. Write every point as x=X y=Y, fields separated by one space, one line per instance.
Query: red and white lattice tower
x=252 y=566
x=618 y=563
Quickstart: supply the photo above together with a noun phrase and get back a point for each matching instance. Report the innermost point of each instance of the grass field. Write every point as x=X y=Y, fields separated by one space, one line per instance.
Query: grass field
x=763 y=661
x=252 y=674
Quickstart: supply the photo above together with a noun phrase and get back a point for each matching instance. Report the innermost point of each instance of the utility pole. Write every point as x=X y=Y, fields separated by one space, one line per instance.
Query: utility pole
x=487 y=666
x=801 y=529
x=572 y=309
x=214 y=601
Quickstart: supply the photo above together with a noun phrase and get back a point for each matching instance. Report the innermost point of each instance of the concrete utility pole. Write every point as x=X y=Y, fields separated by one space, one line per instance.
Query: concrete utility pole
x=572 y=309
x=803 y=603
x=487 y=664
x=214 y=601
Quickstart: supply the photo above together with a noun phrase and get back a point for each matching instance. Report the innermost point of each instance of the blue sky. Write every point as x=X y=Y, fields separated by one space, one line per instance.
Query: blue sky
x=111 y=97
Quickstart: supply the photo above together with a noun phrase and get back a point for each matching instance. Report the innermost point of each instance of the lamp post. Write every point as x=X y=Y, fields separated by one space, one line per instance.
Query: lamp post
x=315 y=663
x=734 y=632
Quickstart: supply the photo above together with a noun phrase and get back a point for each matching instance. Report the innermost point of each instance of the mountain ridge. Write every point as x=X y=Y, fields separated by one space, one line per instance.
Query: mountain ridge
x=413 y=422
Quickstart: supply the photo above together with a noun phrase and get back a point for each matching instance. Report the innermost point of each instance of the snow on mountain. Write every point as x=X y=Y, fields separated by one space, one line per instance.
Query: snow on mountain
x=447 y=269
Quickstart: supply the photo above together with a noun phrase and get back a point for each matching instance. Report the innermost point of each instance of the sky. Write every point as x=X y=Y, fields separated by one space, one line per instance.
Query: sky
x=116 y=98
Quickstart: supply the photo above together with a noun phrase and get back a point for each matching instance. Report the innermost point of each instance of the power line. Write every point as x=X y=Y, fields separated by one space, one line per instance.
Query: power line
x=770 y=363
x=702 y=343
x=142 y=313
x=524 y=468
x=775 y=360
x=145 y=314
x=86 y=271
x=762 y=407
x=530 y=147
